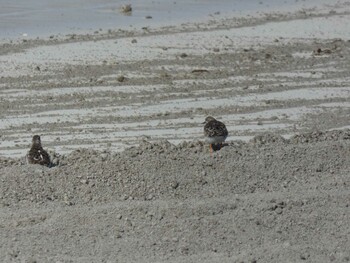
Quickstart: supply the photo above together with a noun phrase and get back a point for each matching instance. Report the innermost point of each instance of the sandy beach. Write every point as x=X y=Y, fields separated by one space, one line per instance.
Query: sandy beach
x=120 y=111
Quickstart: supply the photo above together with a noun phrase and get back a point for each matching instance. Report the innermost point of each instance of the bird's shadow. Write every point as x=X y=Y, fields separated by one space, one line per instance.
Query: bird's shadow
x=52 y=165
x=217 y=147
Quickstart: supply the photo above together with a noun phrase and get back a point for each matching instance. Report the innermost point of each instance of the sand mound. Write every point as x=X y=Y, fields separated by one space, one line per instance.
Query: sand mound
x=319 y=136
x=162 y=170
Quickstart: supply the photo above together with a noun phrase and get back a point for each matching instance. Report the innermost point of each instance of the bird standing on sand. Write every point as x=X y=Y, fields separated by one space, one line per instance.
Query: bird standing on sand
x=214 y=131
x=36 y=154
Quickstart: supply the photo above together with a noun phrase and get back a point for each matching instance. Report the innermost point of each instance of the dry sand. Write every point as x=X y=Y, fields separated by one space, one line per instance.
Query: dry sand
x=120 y=112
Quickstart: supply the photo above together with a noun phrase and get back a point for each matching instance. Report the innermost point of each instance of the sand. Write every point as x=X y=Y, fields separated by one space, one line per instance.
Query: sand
x=120 y=111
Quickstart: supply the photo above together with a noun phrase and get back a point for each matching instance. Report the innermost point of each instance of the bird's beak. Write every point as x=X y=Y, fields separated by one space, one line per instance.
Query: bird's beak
x=204 y=122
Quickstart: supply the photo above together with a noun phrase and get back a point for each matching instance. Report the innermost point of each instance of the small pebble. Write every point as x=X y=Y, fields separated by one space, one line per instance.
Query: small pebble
x=121 y=78
x=183 y=55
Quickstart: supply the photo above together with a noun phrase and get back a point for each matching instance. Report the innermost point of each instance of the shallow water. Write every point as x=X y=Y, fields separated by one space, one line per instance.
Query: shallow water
x=41 y=18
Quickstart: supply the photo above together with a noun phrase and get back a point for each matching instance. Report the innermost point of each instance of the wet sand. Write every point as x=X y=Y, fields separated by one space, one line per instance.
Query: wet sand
x=121 y=111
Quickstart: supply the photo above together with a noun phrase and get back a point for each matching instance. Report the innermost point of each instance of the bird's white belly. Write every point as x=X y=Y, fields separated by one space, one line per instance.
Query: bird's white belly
x=216 y=139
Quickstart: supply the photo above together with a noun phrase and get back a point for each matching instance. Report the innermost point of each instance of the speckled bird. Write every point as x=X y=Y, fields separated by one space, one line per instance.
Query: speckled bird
x=215 y=132
x=36 y=154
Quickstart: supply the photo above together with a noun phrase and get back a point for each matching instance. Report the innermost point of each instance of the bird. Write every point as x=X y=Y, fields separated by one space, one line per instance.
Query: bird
x=36 y=154
x=215 y=132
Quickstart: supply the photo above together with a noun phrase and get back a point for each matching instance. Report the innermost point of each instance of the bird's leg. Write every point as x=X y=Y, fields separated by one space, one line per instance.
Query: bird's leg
x=211 y=149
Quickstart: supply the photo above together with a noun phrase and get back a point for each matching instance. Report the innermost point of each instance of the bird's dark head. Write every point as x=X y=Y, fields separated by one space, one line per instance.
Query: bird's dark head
x=36 y=139
x=208 y=119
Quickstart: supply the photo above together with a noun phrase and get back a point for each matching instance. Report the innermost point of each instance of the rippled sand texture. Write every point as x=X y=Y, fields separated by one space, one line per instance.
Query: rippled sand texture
x=277 y=72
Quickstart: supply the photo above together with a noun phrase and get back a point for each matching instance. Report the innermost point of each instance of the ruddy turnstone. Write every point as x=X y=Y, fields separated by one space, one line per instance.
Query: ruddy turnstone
x=36 y=154
x=214 y=131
